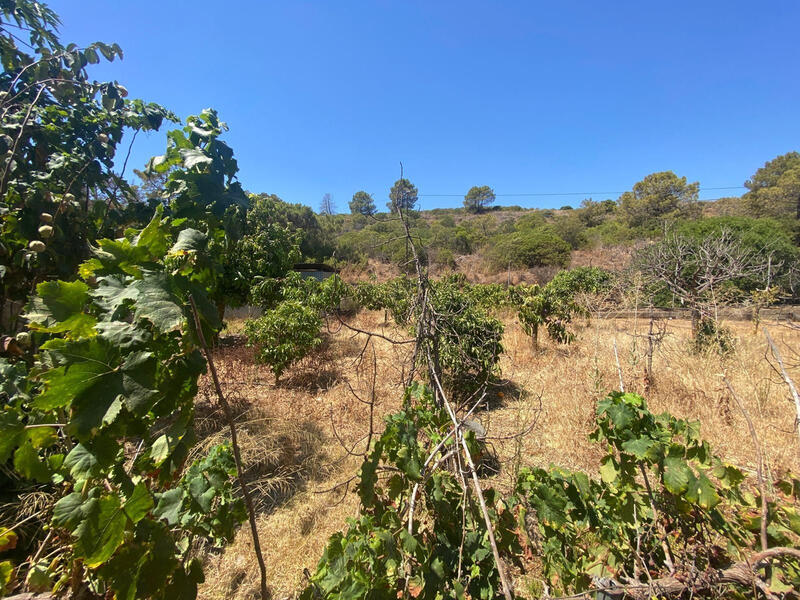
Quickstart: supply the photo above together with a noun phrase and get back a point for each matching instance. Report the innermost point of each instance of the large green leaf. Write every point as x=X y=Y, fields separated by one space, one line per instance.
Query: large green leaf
x=81 y=463
x=101 y=532
x=69 y=510
x=189 y=240
x=169 y=506
x=621 y=415
x=701 y=491
x=639 y=447
x=676 y=475
x=28 y=463
x=157 y=303
x=155 y=237
x=59 y=308
x=96 y=386
x=193 y=158
x=12 y=432
x=139 y=503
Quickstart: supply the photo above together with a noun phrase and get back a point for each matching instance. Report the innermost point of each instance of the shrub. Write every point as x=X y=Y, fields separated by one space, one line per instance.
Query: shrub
x=530 y=248
x=284 y=335
x=710 y=336
x=395 y=296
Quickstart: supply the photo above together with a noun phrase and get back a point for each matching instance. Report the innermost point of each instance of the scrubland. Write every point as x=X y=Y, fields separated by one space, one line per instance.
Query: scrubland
x=303 y=438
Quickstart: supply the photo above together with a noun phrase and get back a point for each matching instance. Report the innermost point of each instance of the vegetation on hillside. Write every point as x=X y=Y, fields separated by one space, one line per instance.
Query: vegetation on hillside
x=112 y=301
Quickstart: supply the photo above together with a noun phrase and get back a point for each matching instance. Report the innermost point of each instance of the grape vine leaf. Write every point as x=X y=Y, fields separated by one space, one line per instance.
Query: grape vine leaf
x=169 y=506
x=157 y=303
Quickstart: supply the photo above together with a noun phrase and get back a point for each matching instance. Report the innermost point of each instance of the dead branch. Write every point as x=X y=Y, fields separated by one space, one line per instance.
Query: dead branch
x=786 y=378
x=743 y=574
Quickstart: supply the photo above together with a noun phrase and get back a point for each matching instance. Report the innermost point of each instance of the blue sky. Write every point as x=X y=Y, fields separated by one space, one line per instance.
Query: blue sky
x=527 y=97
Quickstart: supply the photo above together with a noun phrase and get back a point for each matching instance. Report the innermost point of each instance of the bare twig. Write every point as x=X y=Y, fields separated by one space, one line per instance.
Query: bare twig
x=759 y=465
x=619 y=367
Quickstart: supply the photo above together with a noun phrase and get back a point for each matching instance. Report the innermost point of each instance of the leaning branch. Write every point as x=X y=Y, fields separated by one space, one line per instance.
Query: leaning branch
x=787 y=379
x=236 y=454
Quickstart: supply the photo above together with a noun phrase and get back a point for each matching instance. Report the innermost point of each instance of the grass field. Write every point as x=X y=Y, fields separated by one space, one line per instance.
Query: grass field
x=302 y=439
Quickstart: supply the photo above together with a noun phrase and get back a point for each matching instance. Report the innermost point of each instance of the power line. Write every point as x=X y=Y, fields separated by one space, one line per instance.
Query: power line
x=585 y=194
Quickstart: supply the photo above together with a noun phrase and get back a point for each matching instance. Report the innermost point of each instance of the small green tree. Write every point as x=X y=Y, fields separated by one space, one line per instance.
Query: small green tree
x=403 y=196
x=284 y=334
x=479 y=198
x=656 y=197
x=468 y=339
x=593 y=213
x=553 y=306
x=362 y=204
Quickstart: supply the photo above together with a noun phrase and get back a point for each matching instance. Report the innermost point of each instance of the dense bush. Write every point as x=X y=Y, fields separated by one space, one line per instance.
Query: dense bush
x=529 y=248
x=284 y=334
x=468 y=339
x=662 y=498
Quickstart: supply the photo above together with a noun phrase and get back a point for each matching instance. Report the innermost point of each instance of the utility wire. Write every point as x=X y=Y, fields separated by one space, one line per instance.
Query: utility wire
x=586 y=194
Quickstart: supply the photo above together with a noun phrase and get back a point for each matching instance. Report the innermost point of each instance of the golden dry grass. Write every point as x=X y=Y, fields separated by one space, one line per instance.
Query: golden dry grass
x=552 y=392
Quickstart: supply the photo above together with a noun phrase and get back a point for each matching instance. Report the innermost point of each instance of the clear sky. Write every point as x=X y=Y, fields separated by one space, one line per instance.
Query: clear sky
x=527 y=97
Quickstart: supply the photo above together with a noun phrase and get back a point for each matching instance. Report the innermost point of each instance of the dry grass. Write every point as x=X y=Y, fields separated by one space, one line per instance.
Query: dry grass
x=553 y=392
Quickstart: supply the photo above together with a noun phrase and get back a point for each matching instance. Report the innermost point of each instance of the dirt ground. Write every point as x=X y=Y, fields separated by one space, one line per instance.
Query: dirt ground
x=302 y=438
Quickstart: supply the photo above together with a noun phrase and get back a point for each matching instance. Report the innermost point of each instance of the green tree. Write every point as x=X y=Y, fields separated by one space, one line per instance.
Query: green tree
x=118 y=369
x=284 y=334
x=774 y=190
x=316 y=242
x=657 y=196
x=553 y=306
x=268 y=249
x=362 y=204
x=59 y=134
x=593 y=213
x=403 y=196
x=479 y=198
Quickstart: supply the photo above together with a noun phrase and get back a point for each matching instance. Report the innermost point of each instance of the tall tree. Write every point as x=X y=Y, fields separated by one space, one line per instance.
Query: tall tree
x=657 y=196
x=362 y=204
x=478 y=198
x=403 y=196
x=326 y=206
x=774 y=190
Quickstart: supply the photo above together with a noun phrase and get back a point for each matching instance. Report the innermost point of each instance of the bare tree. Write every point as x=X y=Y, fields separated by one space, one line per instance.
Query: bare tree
x=327 y=206
x=695 y=269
